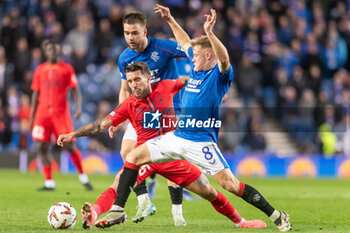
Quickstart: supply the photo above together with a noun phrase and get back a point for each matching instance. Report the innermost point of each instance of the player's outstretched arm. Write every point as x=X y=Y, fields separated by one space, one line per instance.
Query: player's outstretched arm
x=88 y=130
x=78 y=101
x=180 y=35
x=220 y=51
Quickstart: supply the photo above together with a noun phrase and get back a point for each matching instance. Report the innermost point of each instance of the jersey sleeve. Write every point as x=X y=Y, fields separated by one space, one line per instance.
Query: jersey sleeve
x=190 y=54
x=173 y=49
x=172 y=86
x=227 y=77
x=121 y=66
x=119 y=114
x=72 y=79
x=36 y=80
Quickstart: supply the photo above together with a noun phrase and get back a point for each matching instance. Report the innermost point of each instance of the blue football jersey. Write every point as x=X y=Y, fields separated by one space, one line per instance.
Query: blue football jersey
x=183 y=66
x=159 y=56
x=199 y=117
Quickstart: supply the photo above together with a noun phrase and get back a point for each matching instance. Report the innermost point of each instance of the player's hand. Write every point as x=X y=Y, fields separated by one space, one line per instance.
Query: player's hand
x=111 y=131
x=210 y=21
x=164 y=12
x=64 y=138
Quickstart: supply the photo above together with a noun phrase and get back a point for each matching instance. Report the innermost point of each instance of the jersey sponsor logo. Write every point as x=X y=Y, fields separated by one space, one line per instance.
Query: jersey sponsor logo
x=194 y=82
x=155 y=56
x=51 y=84
x=151 y=120
x=192 y=85
x=112 y=113
x=154 y=76
x=192 y=90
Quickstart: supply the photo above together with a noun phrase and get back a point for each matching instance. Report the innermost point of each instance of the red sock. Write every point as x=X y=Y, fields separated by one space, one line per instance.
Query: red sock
x=47 y=172
x=76 y=159
x=241 y=189
x=131 y=166
x=223 y=206
x=105 y=201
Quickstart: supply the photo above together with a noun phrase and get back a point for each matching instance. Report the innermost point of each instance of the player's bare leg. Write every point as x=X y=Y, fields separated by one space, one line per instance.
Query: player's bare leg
x=202 y=187
x=176 y=199
x=229 y=182
x=43 y=149
x=126 y=147
x=75 y=156
x=145 y=207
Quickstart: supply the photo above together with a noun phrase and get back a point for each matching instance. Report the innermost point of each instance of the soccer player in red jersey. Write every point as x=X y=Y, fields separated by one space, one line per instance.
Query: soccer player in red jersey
x=50 y=110
x=154 y=101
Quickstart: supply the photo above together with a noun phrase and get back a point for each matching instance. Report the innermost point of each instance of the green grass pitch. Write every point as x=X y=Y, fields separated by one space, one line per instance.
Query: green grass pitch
x=314 y=205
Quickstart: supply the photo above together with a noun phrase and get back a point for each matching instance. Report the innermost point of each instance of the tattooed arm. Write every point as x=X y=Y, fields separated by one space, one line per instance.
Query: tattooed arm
x=88 y=130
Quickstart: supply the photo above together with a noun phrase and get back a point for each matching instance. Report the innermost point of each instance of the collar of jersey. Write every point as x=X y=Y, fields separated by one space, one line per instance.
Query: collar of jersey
x=204 y=72
x=148 y=44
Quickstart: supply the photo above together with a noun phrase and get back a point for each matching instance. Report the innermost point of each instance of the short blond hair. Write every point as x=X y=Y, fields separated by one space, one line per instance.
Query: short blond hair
x=202 y=41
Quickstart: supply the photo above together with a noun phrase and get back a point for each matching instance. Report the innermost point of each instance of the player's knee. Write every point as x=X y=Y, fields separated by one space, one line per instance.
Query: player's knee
x=124 y=152
x=132 y=158
x=127 y=146
x=211 y=193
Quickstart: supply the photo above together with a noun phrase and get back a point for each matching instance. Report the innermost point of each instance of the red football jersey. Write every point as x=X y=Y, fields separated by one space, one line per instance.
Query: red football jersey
x=53 y=81
x=160 y=99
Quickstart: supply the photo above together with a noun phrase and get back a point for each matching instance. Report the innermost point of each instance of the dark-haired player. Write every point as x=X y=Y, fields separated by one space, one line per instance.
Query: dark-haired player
x=160 y=56
x=154 y=101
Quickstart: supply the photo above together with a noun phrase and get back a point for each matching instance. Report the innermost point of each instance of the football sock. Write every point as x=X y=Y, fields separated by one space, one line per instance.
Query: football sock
x=140 y=188
x=47 y=171
x=176 y=209
x=105 y=201
x=176 y=194
x=143 y=198
x=223 y=206
x=253 y=197
x=77 y=161
x=83 y=178
x=275 y=215
x=126 y=182
x=50 y=183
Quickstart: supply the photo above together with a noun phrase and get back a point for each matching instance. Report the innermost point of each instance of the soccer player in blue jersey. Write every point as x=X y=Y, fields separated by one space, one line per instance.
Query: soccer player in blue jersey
x=159 y=55
x=196 y=133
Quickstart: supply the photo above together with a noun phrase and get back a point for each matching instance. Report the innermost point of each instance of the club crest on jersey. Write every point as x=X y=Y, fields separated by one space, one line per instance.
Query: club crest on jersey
x=151 y=120
x=155 y=56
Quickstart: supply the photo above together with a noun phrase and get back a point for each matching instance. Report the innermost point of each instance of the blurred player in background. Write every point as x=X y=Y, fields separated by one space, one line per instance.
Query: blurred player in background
x=159 y=55
x=50 y=110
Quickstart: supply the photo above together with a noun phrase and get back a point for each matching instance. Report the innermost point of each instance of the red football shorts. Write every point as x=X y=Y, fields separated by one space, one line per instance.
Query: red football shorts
x=45 y=126
x=180 y=172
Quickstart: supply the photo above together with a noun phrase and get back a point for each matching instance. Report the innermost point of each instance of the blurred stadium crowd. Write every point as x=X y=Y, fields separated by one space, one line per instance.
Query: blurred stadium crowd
x=291 y=59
